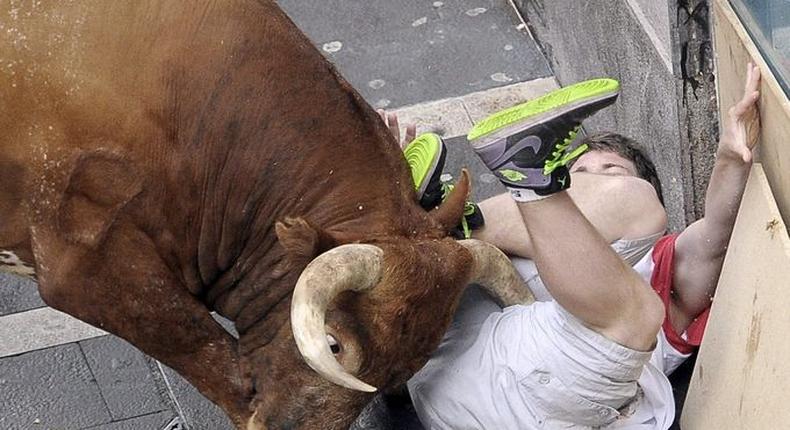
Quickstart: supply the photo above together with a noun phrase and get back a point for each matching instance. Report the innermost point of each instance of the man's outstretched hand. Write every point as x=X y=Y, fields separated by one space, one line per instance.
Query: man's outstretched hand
x=391 y=121
x=700 y=248
x=742 y=125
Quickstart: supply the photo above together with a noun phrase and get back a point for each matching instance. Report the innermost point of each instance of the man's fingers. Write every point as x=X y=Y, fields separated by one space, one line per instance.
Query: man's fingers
x=752 y=79
x=749 y=102
x=392 y=124
x=748 y=81
x=756 y=75
x=392 y=119
x=411 y=133
x=750 y=73
x=747 y=155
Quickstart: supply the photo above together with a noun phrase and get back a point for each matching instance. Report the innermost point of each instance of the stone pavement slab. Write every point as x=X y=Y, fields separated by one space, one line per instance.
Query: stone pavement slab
x=197 y=411
x=447 y=117
x=397 y=53
x=147 y=422
x=459 y=156
x=41 y=328
x=480 y=105
x=124 y=376
x=18 y=294
x=101 y=383
x=53 y=388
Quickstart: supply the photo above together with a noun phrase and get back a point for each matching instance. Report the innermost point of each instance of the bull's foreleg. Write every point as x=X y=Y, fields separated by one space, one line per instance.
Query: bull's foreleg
x=122 y=286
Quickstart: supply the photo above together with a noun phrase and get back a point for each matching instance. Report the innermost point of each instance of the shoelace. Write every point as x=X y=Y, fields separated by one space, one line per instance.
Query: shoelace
x=559 y=157
x=469 y=209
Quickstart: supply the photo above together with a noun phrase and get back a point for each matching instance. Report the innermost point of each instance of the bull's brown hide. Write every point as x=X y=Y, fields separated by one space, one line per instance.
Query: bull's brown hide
x=149 y=148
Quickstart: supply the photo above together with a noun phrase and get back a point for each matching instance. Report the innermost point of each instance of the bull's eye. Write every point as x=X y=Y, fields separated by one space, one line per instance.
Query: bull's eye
x=333 y=344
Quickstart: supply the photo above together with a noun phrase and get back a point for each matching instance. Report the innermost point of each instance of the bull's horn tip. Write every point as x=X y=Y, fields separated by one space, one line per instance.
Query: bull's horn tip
x=367 y=388
x=356 y=384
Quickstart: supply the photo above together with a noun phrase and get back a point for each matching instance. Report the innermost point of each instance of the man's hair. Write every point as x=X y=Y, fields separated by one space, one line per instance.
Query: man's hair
x=630 y=150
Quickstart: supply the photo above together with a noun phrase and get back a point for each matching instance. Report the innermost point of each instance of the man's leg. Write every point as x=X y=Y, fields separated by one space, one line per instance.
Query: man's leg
x=619 y=207
x=527 y=148
x=587 y=277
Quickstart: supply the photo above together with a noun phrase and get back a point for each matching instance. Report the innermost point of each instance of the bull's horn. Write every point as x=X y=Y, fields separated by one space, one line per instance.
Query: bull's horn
x=348 y=267
x=452 y=208
x=493 y=271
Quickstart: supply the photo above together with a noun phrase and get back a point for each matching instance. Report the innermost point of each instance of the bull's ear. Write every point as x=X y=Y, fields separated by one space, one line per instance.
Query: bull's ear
x=301 y=240
x=449 y=213
x=100 y=184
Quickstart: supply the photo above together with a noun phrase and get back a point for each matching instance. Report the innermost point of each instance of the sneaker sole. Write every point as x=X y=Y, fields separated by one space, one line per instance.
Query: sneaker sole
x=423 y=154
x=541 y=109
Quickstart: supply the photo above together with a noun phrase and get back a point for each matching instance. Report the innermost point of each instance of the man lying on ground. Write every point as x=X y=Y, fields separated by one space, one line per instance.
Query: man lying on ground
x=596 y=351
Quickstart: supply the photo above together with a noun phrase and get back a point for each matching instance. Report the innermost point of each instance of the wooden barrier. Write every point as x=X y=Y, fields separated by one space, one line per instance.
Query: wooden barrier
x=741 y=378
x=734 y=48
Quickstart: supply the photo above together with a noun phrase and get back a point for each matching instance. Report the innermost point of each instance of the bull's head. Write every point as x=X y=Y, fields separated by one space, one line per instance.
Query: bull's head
x=368 y=312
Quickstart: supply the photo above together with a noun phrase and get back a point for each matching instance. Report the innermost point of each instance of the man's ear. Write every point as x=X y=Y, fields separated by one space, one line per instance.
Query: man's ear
x=302 y=241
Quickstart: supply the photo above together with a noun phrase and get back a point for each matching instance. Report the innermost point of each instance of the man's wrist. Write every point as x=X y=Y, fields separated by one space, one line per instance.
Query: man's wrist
x=724 y=154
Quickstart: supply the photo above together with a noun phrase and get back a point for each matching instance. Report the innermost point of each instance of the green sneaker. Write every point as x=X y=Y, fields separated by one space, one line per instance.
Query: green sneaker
x=472 y=218
x=528 y=146
x=426 y=156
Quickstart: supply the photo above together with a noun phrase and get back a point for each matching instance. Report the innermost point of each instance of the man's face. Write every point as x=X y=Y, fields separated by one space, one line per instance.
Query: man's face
x=604 y=163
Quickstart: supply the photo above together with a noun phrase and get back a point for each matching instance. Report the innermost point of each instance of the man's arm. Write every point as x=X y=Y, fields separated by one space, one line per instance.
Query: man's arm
x=700 y=249
x=619 y=207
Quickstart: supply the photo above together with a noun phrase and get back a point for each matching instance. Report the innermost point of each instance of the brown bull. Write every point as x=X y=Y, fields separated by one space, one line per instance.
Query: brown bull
x=148 y=150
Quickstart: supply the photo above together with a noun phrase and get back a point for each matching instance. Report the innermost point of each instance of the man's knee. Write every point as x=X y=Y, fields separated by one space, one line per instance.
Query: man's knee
x=619 y=207
x=640 y=200
x=641 y=317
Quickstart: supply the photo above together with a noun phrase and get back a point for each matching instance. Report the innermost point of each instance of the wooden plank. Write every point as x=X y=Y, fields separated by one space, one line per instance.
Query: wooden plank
x=734 y=48
x=741 y=378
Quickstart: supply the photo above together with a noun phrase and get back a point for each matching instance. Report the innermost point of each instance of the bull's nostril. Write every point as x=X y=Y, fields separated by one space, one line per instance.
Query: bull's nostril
x=333 y=344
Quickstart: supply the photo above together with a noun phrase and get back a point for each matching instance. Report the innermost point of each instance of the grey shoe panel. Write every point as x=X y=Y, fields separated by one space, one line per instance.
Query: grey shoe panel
x=495 y=155
x=534 y=177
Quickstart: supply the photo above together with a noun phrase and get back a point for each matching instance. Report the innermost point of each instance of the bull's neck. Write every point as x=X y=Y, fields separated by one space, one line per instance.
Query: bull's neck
x=260 y=280
x=271 y=131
